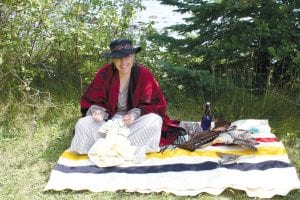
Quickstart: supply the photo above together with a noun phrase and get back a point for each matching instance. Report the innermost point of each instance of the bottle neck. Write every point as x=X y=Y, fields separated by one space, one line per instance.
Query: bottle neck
x=207 y=109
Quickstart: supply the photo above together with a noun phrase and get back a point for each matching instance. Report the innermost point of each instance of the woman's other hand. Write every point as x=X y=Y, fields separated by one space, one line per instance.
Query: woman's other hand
x=128 y=119
x=97 y=115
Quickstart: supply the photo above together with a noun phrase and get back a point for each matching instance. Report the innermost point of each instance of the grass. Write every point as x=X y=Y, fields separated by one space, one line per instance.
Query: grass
x=32 y=137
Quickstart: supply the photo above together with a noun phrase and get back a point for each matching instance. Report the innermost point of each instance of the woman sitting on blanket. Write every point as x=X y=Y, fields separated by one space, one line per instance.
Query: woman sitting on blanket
x=126 y=89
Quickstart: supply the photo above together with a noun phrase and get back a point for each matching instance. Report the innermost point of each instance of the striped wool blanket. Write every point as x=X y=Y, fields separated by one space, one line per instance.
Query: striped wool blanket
x=264 y=173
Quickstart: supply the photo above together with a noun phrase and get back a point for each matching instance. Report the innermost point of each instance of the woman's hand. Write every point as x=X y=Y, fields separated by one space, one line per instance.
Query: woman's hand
x=128 y=119
x=97 y=115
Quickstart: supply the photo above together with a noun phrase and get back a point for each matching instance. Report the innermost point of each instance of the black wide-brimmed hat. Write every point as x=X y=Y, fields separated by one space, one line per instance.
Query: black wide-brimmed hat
x=121 y=48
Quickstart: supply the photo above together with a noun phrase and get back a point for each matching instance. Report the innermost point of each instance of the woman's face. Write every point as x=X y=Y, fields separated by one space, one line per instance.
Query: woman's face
x=124 y=64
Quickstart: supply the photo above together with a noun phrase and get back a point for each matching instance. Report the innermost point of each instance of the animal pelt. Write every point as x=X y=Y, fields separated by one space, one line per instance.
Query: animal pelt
x=237 y=136
x=222 y=133
x=204 y=137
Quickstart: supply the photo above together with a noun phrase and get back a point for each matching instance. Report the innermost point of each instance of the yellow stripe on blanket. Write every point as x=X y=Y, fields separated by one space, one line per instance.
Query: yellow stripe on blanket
x=261 y=151
x=74 y=156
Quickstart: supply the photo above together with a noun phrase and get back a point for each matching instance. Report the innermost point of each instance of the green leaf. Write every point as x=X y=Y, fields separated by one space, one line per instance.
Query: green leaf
x=227 y=45
x=235 y=41
x=271 y=51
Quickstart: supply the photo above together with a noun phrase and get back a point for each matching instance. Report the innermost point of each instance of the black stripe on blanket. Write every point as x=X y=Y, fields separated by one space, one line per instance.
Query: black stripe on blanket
x=172 y=167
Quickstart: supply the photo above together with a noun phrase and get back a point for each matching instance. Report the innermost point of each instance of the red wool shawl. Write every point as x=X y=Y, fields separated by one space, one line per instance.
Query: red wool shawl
x=144 y=92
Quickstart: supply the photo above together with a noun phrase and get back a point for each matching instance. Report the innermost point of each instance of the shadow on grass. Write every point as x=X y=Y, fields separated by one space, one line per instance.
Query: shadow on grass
x=63 y=137
x=121 y=194
x=57 y=146
x=295 y=194
x=239 y=194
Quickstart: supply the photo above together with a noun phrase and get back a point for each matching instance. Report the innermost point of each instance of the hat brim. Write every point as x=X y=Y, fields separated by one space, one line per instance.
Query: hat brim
x=122 y=53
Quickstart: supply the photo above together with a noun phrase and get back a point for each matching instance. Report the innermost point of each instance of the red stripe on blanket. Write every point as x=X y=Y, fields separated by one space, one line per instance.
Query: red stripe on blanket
x=266 y=139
